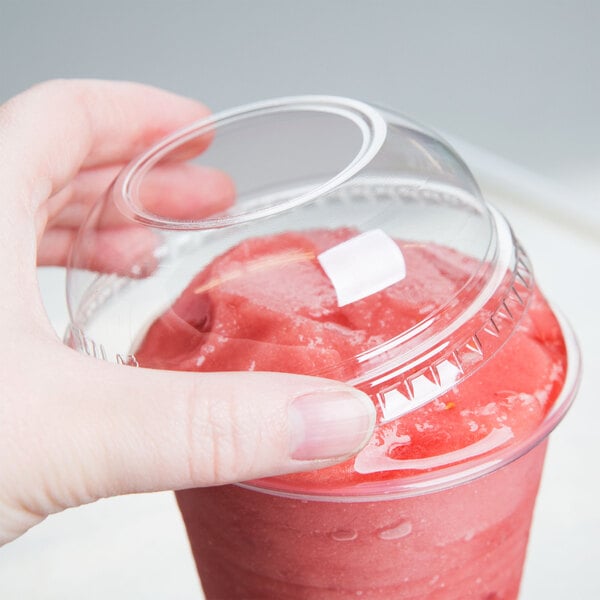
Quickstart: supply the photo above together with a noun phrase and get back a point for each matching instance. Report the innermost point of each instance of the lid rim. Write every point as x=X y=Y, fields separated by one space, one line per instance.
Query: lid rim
x=490 y=330
x=369 y=121
x=465 y=472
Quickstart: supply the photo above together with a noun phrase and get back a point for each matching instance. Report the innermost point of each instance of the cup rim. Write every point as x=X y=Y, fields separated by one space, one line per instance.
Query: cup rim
x=367 y=119
x=457 y=474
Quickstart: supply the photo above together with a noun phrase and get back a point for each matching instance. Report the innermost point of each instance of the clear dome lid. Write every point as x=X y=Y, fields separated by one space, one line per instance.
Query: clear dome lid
x=312 y=234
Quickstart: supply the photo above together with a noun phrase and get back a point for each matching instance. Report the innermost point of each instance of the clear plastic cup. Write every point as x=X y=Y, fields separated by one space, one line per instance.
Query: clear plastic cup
x=324 y=236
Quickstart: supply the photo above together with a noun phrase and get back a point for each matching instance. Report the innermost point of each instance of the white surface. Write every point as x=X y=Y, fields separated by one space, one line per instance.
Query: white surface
x=135 y=547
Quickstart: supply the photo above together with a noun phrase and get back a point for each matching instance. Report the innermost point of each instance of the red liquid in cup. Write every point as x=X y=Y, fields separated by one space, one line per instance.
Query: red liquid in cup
x=267 y=305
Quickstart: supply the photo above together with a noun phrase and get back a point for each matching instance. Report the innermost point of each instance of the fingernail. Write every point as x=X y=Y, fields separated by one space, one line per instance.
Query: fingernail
x=330 y=424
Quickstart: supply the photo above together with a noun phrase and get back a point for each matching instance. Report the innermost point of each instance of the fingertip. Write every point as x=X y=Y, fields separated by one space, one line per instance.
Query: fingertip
x=185 y=191
x=330 y=424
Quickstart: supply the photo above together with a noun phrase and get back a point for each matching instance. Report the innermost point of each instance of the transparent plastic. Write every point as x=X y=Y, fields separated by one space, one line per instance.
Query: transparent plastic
x=296 y=165
x=324 y=236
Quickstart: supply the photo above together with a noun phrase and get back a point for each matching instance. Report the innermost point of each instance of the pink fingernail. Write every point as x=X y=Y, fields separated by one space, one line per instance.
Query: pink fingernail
x=330 y=424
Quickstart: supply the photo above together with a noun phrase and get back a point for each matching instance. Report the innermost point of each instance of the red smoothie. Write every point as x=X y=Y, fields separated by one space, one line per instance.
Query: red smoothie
x=268 y=305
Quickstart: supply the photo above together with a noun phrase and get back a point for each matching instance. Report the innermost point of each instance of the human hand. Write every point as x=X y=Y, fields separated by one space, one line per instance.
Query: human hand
x=74 y=429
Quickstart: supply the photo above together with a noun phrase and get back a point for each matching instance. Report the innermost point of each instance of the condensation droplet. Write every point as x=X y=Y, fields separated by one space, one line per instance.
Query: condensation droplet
x=400 y=530
x=344 y=535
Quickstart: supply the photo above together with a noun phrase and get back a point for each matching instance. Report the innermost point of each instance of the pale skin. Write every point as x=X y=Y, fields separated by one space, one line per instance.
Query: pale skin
x=75 y=429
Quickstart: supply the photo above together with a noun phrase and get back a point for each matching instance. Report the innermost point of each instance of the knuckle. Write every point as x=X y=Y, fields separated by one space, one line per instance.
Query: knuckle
x=13 y=107
x=220 y=448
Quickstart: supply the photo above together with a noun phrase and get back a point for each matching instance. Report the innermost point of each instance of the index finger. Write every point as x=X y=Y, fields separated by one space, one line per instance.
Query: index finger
x=49 y=132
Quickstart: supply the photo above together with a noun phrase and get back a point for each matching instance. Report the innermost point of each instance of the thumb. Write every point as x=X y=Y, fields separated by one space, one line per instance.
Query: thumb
x=135 y=430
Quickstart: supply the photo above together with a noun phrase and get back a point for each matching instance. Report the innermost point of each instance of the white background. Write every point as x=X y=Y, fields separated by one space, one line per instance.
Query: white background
x=518 y=78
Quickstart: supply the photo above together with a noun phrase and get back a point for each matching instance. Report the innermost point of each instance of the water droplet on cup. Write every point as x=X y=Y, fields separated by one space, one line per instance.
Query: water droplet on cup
x=400 y=530
x=344 y=535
